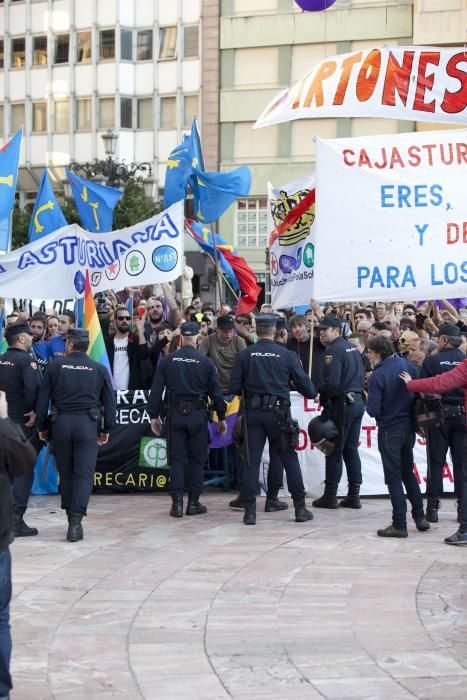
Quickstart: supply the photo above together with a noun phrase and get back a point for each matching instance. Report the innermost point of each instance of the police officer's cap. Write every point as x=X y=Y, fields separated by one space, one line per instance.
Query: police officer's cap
x=330 y=322
x=448 y=329
x=225 y=323
x=78 y=335
x=266 y=321
x=17 y=328
x=189 y=328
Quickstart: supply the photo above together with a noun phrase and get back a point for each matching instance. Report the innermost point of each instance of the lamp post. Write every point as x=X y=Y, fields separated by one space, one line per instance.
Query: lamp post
x=114 y=173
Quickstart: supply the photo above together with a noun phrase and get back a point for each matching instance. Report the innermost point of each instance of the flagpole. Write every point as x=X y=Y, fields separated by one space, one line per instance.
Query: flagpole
x=237 y=296
x=216 y=264
x=312 y=330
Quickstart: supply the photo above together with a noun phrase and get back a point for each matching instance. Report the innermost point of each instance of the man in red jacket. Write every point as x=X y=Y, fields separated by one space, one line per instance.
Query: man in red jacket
x=440 y=384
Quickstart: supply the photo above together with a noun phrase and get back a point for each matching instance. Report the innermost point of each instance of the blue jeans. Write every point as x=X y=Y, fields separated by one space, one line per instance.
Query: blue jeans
x=5 y=636
x=396 y=449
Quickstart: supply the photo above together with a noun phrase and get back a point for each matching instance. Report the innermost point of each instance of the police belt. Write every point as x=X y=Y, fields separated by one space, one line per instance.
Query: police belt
x=186 y=406
x=266 y=402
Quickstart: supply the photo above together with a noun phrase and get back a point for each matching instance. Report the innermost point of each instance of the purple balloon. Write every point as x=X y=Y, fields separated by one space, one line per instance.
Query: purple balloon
x=314 y=5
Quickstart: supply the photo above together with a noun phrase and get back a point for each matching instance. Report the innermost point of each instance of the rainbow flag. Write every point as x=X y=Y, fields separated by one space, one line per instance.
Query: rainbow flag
x=3 y=342
x=97 y=350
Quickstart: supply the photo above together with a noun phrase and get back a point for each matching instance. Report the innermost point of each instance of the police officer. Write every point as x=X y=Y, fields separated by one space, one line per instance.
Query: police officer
x=188 y=378
x=78 y=388
x=264 y=372
x=341 y=397
x=451 y=433
x=20 y=379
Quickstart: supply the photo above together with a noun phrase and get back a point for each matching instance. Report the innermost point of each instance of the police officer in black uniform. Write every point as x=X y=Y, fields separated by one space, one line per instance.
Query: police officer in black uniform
x=265 y=371
x=20 y=379
x=188 y=378
x=341 y=397
x=451 y=433
x=83 y=410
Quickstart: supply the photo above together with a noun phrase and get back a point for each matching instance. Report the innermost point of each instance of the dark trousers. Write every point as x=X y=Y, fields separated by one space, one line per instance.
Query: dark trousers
x=5 y=635
x=451 y=435
x=463 y=491
x=262 y=427
x=396 y=449
x=188 y=450
x=346 y=449
x=75 y=444
x=22 y=485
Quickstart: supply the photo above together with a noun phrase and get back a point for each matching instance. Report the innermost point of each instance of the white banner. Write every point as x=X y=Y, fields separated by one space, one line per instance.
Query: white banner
x=55 y=266
x=312 y=461
x=292 y=254
x=397 y=82
x=391 y=217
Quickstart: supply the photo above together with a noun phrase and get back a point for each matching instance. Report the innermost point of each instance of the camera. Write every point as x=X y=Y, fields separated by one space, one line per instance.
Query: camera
x=101 y=306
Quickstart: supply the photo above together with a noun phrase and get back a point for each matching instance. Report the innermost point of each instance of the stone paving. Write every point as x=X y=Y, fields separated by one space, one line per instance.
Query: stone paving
x=206 y=608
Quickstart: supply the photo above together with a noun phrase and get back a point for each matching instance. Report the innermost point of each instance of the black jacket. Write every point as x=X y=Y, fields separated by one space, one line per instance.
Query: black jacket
x=17 y=457
x=137 y=354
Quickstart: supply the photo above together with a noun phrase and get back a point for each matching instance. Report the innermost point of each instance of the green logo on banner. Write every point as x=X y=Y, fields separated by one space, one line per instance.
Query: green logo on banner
x=153 y=453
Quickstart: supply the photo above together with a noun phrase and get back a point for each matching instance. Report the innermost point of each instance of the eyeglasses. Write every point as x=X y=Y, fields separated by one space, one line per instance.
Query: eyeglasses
x=244 y=323
x=409 y=313
x=123 y=318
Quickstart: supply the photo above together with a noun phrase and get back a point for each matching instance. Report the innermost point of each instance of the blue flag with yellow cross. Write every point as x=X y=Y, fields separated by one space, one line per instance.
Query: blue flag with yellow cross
x=95 y=203
x=47 y=215
x=9 y=159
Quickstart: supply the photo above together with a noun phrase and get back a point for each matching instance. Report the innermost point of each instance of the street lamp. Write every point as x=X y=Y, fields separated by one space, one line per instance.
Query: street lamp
x=114 y=173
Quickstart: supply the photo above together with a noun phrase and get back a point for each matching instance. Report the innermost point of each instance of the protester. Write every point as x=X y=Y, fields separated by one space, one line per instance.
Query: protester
x=17 y=459
x=66 y=321
x=392 y=408
x=126 y=351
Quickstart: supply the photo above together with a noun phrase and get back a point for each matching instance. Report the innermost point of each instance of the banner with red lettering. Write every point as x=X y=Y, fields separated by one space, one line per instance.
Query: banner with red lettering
x=312 y=460
x=417 y=83
x=391 y=217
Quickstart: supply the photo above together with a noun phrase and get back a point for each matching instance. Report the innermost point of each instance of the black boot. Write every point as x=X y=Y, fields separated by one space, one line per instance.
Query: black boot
x=194 y=507
x=328 y=499
x=432 y=510
x=75 y=529
x=352 y=500
x=458 y=506
x=238 y=503
x=272 y=502
x=302 y=514
x=177 y=506
x=250 y=514
x=20 y=529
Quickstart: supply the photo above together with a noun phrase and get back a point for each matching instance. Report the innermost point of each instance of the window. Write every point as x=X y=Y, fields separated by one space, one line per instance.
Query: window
x=144 y=45
x=126 y=116
x=107 y=44
x=126 y=38
x=84 y=114
x=252 y=223
x=18 y=53
x=83 y=47
x=62 y=116
x=190 y=110
x=2 y=53
x=17 y=117
x=39 y=50
x=62 y=48
x=1 y=121
x=106 y=113
x=39 y=116
x=145 y=113
x=168 y=45
x=168 y=112
x=191 y=42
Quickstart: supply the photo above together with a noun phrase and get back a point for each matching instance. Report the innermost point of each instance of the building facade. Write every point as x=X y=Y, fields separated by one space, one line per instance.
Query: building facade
x=267 y=45
x=72 y=69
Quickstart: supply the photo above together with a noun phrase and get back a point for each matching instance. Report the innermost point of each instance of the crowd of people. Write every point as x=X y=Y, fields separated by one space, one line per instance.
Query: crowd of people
x=375 y=357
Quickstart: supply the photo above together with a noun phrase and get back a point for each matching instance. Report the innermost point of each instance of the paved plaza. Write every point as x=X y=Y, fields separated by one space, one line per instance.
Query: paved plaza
x=205 y=608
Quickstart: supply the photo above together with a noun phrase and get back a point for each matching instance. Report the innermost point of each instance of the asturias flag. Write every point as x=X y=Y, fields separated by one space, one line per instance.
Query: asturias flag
x=178 y=173
x=9 y=158
x=47 y=215
x=97 y=350
x=95 y=203
x=215 y=192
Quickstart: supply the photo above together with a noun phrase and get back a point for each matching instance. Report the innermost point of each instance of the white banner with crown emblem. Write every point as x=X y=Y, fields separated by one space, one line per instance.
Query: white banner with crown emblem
x=291 y=215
